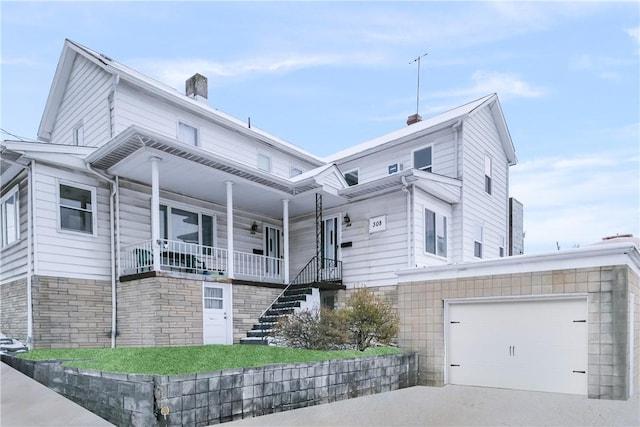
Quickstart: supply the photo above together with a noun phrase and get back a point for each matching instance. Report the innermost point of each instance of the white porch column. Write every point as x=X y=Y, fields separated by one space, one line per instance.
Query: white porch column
x=229 y=229
x=155 y=212
x=285 y=226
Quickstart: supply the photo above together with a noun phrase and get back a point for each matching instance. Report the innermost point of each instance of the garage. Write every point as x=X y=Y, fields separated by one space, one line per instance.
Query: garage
x=538 y=344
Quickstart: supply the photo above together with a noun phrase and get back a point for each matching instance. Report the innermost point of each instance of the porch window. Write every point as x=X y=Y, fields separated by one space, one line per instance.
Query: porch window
x=187 y=134
x=10 y=217
x=435 y=226
x=422 y=159
x=186 y=226
x=77 y=208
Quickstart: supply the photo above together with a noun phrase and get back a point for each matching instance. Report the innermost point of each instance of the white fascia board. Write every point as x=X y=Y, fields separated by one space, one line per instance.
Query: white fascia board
x=41 y=147
x=586 y=257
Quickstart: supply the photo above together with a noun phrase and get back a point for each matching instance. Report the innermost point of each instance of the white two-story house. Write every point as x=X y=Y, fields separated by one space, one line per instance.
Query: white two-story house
x=144 y=216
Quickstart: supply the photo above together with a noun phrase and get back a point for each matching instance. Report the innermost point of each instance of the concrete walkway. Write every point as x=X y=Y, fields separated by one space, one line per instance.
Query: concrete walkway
x=25 y=402
x=459 y=406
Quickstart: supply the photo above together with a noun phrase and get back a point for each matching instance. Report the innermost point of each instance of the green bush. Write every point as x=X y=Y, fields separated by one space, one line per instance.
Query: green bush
x=315 y=329
x=370 y=319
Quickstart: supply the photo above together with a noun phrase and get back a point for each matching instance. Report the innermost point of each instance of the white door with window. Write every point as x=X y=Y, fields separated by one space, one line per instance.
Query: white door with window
x=329 y=261
x=272 y=250
x=216 y=313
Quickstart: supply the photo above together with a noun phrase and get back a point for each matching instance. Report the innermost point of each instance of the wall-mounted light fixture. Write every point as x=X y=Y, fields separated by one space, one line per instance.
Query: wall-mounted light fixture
x=254 y=227
x=346 y=220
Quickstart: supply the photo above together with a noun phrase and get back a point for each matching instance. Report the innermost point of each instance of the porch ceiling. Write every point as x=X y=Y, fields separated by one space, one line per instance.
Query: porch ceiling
x=193 y=172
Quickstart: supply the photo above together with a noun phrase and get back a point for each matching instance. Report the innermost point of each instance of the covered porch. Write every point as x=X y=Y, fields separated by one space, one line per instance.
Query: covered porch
x=199 y=213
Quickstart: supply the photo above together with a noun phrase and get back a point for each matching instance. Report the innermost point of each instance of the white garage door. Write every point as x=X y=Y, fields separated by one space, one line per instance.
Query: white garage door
x=536 y=345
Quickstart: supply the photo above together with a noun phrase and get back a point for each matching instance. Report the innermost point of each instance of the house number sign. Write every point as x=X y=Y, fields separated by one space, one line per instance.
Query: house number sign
x=378 y=223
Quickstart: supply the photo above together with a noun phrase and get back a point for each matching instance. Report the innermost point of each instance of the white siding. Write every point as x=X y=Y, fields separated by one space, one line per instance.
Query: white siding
x=66 y=254
x=480 y=138
x=13 y=258
x=424 y=201
x=372 y=259
x=136 y=108
x=85 y=101
x=375 y=166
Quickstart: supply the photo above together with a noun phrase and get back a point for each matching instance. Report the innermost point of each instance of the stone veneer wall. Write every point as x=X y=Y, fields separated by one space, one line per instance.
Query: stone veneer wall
x=159 y=311
x=13 y=309
x=634 y=288
x=71 y=313
x=216 y=397
x=421 y=310
x=249 y=302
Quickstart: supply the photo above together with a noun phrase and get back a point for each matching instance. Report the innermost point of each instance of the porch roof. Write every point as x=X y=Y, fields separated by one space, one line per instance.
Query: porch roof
x=199 y=173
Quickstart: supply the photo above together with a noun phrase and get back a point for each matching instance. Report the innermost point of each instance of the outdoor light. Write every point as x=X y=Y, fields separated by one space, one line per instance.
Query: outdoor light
x=254 y=227
x=346 y=220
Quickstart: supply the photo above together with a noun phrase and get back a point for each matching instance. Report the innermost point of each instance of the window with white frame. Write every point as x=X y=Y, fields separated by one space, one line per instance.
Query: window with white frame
x=422 y=159
x=351 y=177
x=10 y=217
x=478 y=241
x=77 y=208
x=435 y=233
x=502 y=246
x=264 y=162
x=488 y=173
x=213 y=298
x=186 y=225
x=78 y=135
x=187 y=134
x=294 y=171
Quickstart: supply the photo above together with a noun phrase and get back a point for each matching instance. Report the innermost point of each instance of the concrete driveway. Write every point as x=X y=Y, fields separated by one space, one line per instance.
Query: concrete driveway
x=460 y=406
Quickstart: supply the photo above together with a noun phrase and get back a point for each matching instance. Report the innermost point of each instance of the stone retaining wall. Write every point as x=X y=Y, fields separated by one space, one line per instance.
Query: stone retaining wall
x=216 y=397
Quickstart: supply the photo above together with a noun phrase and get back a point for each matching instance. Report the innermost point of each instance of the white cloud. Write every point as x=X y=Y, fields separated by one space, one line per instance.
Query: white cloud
x=17 y=61
x=577 y=200
x=634 y=33
x=506 y=85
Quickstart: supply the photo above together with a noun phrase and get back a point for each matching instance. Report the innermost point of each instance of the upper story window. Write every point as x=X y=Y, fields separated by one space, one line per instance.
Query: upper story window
x=78 y=135
x=488 y=172
x=502 y=246
x=10 y=217
x=264 y=162
x=294 y=171
x=478 y=241
x=187 y=134
x=435 y=233
x=77 y=208
x=422 y=159
x=351 y=177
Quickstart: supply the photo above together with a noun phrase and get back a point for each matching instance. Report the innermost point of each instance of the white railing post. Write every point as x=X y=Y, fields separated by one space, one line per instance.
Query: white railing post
x=285 y=238
x=230 y=272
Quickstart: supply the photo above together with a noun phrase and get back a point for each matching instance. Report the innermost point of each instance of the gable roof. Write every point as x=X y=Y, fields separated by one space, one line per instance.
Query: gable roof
x=432 y=124
x=72 y=49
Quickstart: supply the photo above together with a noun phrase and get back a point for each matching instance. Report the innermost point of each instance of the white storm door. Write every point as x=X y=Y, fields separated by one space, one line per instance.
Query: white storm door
x=216 y=313
x=538 y=345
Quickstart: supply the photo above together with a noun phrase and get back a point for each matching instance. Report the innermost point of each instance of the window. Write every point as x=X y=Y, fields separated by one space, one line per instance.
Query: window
x=487 y=174
x=76 y=208
x=351 y=177
x=502 y=245
x=186 y=226
x=422 y=159
x=213 y=298
x=294 y=172
x=187 y=134
x=78 y=135
x=264 y=162
x=477 y=241
x=435 y=226
x=10 y=217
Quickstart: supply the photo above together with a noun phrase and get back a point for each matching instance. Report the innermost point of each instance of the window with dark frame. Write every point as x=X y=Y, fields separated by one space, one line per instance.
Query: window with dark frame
x=351 y=177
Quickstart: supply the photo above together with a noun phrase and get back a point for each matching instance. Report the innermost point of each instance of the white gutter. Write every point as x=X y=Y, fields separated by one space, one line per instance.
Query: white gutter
x=114 y=191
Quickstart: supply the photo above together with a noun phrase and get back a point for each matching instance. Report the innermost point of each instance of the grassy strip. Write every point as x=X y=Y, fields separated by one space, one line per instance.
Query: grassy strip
x=191 y=359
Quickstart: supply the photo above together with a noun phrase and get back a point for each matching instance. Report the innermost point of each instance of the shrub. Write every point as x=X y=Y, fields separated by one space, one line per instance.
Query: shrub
x=370 y=319
x=315 y=329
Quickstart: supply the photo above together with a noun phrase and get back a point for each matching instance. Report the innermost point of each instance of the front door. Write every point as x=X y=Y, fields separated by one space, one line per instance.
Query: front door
x=272 y=246
x=216 y=313
x=329 y=270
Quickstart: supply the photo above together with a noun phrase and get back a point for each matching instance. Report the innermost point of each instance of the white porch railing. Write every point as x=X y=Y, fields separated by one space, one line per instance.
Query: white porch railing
x=199 y=259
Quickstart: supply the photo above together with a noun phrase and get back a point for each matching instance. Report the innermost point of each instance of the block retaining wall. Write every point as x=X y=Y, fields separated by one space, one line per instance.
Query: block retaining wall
x=216 y=397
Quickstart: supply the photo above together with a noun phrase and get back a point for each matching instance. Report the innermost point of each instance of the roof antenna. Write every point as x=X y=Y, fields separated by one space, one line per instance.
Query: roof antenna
x=414 y=118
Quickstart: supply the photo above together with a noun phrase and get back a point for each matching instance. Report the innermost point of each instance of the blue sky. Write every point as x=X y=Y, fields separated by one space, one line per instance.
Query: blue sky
x=326 y=76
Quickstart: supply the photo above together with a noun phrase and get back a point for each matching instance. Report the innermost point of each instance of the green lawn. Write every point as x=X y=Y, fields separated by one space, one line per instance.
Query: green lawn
x=192 y=359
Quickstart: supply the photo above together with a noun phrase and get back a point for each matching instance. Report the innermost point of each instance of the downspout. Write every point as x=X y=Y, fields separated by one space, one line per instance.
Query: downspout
x=30 y=266
x=114 y=191
x=405 y=188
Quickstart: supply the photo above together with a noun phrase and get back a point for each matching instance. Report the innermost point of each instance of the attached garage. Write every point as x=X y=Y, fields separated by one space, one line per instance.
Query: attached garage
x=518 y=343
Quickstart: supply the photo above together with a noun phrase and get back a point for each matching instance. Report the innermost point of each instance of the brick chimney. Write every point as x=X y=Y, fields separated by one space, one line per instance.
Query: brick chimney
x=196 y=87
x=414 y=118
